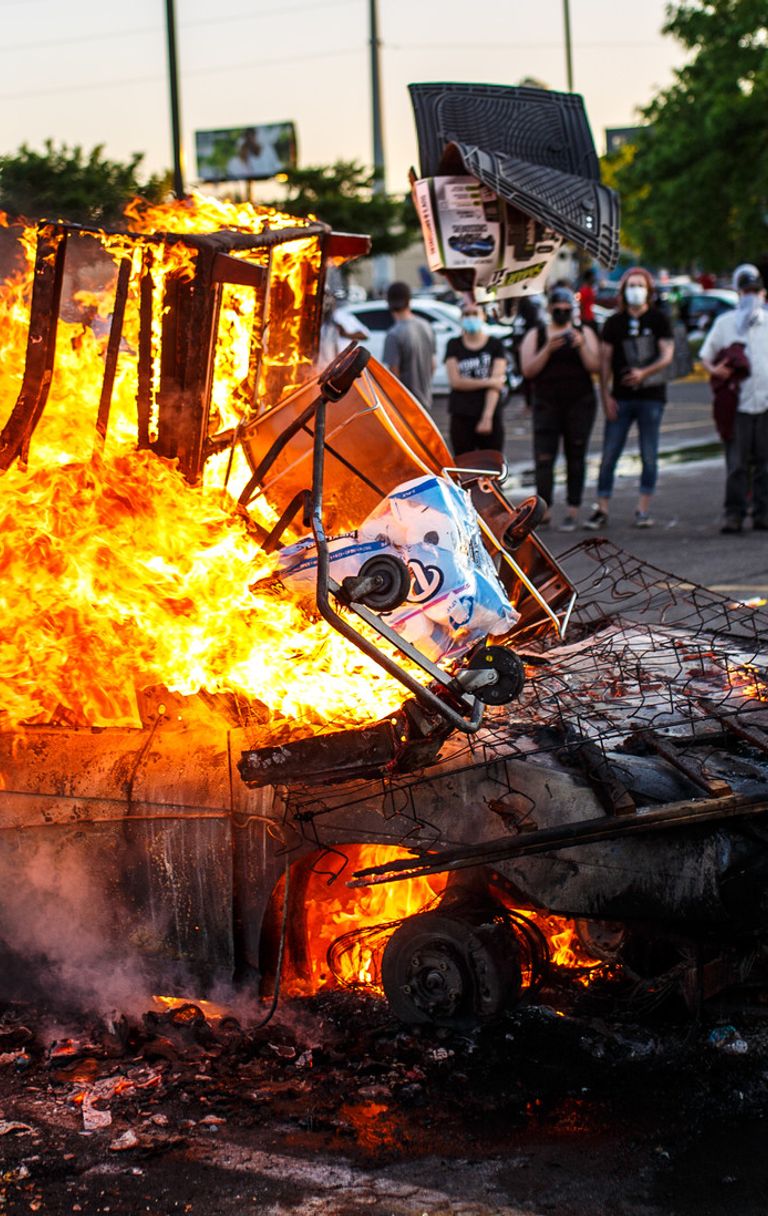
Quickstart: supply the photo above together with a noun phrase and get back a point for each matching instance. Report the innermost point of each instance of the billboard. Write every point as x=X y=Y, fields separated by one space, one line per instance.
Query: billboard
x=245 y=153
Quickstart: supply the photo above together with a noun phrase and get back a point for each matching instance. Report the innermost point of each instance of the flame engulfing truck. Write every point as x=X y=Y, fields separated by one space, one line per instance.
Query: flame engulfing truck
x=211 y=720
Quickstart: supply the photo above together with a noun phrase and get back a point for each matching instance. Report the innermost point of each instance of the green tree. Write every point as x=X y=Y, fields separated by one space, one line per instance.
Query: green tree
x=70 y=184
x=342 y=195
x=695 y=189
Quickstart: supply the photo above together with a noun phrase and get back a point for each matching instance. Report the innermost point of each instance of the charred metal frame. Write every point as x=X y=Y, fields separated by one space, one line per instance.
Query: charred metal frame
x=189 y=331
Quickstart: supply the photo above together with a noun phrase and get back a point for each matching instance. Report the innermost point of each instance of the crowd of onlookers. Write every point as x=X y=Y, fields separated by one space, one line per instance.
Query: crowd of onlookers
x=626 y=342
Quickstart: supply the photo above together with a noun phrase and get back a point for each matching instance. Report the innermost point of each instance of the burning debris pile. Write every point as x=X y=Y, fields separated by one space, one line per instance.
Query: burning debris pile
x=198 y=756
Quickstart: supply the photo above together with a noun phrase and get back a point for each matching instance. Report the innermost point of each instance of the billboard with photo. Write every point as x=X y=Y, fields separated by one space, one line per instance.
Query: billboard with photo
x=245 y=153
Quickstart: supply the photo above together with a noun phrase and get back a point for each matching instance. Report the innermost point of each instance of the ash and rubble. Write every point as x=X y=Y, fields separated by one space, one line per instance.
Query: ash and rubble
x=334 y=1107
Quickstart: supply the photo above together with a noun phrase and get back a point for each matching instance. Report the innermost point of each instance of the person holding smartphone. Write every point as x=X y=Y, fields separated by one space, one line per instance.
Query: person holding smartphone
x=559 y=358
x=636 y=350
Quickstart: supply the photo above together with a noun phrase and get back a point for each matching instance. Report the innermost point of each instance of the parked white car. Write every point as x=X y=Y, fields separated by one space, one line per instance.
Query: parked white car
x=445 y=320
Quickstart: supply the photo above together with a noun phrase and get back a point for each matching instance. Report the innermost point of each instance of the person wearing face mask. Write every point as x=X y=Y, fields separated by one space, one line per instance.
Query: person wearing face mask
x=746 y=451
x=558 y=360
x=476 y=366
x=636 y=349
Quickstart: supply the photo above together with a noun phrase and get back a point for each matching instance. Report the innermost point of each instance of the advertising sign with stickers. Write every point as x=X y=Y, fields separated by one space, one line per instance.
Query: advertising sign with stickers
x=466 y=226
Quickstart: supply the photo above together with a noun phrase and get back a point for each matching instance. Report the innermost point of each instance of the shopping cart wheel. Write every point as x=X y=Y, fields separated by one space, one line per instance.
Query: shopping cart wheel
x=339 y=376
x=382 y=584
x=527 y=516
x=508 y=670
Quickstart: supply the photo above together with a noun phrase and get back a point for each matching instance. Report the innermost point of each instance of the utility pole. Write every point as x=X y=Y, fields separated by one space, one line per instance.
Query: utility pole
x=379 y=183
x=568 y=56
x=382 y=263
x=173 y=81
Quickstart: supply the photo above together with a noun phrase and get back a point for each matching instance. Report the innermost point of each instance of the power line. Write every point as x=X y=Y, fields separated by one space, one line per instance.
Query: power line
x=143 y=31
x=228 y=67
x=269 y=12
x=509 y=46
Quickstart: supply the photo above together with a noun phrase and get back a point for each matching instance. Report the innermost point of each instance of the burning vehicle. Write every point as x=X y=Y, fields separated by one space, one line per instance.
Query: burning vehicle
x=293 y=698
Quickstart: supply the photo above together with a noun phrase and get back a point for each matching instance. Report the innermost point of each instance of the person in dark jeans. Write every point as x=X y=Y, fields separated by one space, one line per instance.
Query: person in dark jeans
x=558 y=359
x=476 y=366
x=636 y=348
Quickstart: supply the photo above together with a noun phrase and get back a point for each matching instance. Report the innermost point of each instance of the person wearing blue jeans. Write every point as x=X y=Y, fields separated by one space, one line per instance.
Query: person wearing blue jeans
x=636 y=348
x=647 y=414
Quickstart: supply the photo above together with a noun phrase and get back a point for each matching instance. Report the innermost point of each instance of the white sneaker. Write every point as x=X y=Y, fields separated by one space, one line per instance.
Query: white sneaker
x=643 y=520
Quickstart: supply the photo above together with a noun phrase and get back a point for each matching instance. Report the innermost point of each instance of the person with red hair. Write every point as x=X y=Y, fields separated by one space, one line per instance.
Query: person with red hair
x=636 y=349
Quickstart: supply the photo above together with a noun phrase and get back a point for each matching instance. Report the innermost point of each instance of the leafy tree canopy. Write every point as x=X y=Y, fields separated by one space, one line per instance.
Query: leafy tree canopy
x=695 y=187
x=342 y=195
x=70 y=184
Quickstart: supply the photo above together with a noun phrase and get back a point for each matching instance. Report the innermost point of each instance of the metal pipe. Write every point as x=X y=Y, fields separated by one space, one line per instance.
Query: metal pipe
x=586 y=831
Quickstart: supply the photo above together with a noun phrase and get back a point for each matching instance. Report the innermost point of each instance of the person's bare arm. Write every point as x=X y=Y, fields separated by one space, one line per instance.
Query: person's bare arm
x=492 y=398
x=467 y=383
x=532 y=361
x=606 y=394
x=585 y=342
x=720 y=370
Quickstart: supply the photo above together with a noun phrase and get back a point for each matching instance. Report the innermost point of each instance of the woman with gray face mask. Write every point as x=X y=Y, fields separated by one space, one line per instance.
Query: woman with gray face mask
x=636 y=348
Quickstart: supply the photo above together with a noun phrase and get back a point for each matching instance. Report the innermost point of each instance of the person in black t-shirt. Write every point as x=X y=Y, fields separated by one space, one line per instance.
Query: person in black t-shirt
x=636 y=348
x=476 y=366
x=558 y=360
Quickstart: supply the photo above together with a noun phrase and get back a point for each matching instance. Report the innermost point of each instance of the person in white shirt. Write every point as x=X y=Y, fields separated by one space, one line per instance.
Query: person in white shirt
x=746 y=452
x=338 y=328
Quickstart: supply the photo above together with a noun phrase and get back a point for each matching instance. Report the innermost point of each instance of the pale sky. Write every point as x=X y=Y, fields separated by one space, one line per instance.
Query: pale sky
x=94 y=71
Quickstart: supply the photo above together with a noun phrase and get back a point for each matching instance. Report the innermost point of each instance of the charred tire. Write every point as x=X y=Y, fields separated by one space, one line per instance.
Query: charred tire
x=509 y=671
x=444 y=970
x=394 y=582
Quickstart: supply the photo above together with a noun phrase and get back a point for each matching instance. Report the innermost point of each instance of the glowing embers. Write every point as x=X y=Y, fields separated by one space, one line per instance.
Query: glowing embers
x=748 y=680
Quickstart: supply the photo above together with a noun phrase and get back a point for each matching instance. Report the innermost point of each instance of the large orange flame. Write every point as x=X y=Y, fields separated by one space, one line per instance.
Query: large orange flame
x=116 y=573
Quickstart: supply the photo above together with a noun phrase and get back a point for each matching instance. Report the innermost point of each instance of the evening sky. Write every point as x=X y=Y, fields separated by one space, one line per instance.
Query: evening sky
x=94 y=71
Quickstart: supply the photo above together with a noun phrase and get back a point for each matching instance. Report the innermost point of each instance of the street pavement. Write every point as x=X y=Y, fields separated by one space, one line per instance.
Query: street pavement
x=687 y=507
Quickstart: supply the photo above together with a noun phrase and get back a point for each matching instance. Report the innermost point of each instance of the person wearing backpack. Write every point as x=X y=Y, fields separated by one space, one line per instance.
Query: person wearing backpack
x=558 y=360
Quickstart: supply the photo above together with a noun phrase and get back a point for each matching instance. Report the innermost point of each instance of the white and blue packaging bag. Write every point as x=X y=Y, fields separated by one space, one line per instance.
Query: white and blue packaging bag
x=456 y=598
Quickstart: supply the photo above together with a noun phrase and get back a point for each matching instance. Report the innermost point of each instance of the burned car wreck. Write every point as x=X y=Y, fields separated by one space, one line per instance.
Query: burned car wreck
x=295 y=699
